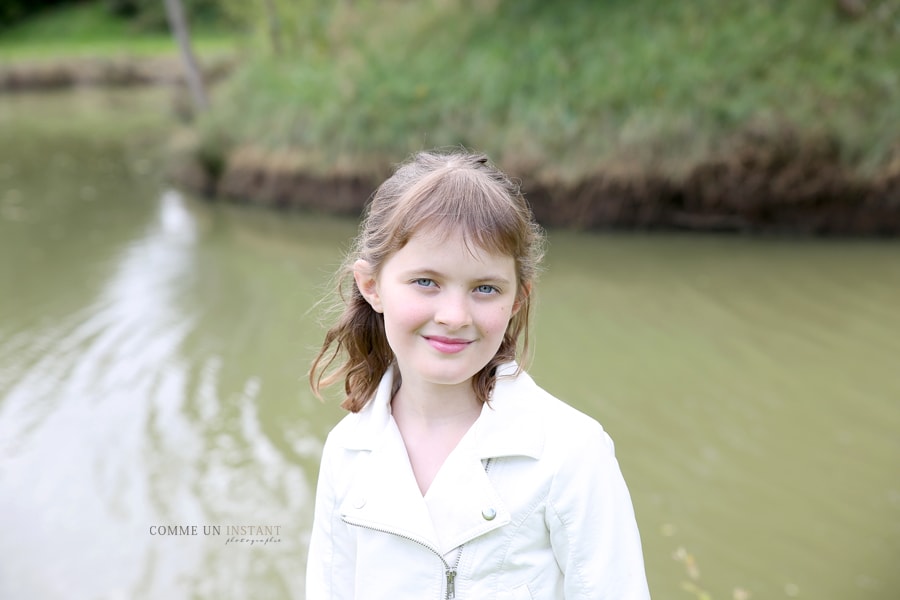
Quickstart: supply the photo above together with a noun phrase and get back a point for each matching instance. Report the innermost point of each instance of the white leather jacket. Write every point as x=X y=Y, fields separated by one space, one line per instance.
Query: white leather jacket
x=530 y=505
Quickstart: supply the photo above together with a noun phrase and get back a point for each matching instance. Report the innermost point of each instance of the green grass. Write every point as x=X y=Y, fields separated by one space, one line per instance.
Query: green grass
x=569 y=88
x=88 y=30
x=558 y=90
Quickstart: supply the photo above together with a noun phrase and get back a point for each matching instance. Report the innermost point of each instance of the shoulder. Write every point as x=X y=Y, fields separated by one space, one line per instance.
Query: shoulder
x=361 y=430
x=563 y=428
x=350 y=433
x=556 y=414
x=343 y=428
x=571 y=431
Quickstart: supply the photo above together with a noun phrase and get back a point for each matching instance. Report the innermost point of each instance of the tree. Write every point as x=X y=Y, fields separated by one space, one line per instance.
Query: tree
x=274 y=26
x=179 y=25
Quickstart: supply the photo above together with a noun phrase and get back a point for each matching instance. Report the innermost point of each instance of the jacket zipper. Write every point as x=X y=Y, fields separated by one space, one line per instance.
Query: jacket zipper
x=449 y=574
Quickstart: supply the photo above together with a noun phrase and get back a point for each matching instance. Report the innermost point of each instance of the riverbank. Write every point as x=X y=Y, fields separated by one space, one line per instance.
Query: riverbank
x=59 y=73
x=82 y=44
x=698 y=115
x=769 y=117
x=775 y=182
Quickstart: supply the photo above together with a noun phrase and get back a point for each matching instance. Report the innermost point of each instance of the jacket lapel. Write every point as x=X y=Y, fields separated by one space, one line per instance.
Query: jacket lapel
x=462 y=501
x=384 y=494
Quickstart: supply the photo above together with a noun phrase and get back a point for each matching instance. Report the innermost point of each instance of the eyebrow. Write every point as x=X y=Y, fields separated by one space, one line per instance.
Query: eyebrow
x=431 y=273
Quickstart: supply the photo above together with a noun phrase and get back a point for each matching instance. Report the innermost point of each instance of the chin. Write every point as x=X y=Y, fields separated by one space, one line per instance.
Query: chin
x=445 y=376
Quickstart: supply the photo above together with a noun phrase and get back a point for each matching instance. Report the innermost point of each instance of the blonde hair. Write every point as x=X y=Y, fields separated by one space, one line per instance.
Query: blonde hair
x=433 y=191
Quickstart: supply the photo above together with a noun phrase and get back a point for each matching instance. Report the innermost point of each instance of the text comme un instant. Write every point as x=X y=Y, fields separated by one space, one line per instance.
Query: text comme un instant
x=267 y=530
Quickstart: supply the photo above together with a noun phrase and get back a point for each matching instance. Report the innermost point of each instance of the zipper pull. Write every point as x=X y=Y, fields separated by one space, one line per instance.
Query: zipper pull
x=451 y=585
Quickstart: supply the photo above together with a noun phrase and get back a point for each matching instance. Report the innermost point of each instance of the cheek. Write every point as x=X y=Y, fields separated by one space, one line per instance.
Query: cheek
x=405 y=312
x=498 y=320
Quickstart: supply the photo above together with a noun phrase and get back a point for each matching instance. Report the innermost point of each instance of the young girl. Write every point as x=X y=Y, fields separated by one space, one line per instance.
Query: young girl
x=455 y=475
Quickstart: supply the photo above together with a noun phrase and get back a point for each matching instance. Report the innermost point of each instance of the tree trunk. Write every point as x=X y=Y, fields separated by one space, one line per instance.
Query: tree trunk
x=179 y=25
x=274 y=27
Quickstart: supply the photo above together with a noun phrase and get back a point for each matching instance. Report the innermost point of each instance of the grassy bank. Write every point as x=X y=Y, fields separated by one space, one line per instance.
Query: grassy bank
x=87 y=30
x=566 y=90
x=697 y=114
x=83 y=45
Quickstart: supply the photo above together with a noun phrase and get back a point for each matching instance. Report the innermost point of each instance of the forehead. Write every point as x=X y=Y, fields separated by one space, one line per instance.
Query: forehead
x=450 y=250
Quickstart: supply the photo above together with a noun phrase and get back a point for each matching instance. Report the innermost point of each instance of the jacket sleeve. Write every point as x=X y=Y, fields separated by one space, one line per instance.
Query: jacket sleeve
x=591 y=520
x=331 y=561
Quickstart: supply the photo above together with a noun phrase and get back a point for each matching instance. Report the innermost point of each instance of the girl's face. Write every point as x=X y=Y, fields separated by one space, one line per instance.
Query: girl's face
x=446 y=306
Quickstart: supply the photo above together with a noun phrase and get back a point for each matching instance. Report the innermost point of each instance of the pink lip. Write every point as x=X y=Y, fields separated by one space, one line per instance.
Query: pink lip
x=447 y=345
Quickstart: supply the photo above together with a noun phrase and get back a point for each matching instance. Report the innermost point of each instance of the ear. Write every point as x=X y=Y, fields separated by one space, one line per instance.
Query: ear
x=523 y=296
x=364 y=276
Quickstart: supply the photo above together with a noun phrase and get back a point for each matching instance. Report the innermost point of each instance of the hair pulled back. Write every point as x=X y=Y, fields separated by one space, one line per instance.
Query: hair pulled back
x=441 y=193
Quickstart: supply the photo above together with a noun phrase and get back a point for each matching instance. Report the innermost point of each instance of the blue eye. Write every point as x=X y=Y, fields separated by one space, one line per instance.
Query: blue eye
x=486 y=289
x=424 y=282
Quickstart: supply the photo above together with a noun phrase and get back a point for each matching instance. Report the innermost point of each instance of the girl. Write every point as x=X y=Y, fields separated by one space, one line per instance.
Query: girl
x=455 y=475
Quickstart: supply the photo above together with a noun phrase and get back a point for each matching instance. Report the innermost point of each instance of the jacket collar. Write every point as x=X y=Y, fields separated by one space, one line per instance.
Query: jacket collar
x=507 y=426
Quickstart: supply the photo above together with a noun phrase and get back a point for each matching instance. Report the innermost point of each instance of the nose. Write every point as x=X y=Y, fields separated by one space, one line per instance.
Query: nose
x=452 y=311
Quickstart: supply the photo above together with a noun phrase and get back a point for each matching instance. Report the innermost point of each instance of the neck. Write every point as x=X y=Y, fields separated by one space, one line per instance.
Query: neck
x=436 y=406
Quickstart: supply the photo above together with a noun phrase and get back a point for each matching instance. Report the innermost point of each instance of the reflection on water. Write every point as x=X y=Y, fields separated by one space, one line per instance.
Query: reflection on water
x=111 y=430
x=153 y=352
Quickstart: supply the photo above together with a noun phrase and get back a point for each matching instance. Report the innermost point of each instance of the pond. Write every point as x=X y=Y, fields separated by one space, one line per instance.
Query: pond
x=158 y=438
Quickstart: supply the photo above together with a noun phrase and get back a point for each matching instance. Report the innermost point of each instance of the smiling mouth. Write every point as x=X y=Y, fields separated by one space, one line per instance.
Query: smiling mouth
x=447 y=345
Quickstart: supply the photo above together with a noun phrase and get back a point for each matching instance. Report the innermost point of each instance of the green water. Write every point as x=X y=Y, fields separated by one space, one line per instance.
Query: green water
x=153 y=351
